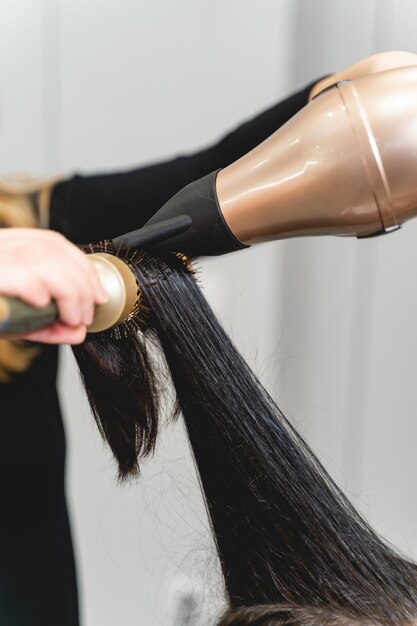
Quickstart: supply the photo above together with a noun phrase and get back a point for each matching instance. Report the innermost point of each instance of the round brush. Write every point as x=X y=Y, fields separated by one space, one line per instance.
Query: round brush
x=113 y=261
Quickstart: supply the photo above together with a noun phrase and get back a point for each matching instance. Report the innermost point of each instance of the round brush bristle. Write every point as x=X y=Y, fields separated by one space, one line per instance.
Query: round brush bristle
x=137 y=318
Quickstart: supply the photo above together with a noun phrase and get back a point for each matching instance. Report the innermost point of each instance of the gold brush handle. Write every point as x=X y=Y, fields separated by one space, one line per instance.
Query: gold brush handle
x=17 y=316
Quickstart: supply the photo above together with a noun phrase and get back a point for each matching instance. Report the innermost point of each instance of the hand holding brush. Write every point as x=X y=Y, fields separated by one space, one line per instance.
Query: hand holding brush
x=45 y=278
x=54 y=293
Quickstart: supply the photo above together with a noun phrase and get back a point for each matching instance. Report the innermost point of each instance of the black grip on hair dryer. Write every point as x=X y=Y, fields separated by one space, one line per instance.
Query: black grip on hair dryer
x=208 y=233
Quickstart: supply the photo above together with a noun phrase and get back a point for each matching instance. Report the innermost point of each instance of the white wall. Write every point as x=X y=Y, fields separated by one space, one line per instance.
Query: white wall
x=21 y=87
x=390 y=431
x=348 y=308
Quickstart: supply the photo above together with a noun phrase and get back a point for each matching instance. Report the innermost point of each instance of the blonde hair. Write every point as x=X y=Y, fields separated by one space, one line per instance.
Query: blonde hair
x=17 y=211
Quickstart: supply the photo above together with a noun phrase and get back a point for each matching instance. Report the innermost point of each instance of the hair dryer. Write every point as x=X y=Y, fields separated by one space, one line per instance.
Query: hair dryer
x=346 y=164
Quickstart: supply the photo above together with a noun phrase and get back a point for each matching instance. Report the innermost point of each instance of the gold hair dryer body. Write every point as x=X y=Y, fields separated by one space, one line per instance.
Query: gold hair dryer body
x=346 y=164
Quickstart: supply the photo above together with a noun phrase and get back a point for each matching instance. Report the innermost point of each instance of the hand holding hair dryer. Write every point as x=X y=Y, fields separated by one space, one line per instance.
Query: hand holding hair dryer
x=346 y=164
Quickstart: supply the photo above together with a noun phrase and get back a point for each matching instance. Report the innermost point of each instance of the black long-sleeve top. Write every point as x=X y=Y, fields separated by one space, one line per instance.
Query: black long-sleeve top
x=37 y=573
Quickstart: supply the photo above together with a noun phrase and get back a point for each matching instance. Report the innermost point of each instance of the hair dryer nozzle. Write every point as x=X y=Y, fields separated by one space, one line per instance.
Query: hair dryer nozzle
x=154 y=233
x=208 y=233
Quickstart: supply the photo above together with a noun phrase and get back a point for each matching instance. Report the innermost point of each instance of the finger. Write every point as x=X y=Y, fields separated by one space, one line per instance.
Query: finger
x=89 y=271
x=80 y=290
x=73 y=299
x=20 y=284
x=84 y=265
x=72 y=292
x=70 y=311
x=89 y=316
x=34 y=242
x=58 y=334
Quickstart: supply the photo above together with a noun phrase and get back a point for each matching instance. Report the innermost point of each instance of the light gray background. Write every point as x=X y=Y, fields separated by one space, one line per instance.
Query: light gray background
x=328 y=324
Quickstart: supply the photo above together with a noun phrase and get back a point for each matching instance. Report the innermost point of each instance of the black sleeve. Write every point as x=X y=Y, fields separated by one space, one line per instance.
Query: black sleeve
x=91 y=208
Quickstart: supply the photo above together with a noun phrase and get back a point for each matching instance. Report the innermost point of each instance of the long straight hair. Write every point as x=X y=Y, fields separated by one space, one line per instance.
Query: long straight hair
x=289 y=541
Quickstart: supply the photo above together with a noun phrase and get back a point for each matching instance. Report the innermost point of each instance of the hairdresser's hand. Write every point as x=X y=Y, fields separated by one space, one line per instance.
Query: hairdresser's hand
x=40 y=265
x=370 y=65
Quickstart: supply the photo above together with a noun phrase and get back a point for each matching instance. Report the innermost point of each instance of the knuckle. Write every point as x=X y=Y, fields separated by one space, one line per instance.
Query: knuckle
x=39 y=293
x=66 y=292
x=68 y=317
x=58 y=242
x=79 y=335
x=56 y=236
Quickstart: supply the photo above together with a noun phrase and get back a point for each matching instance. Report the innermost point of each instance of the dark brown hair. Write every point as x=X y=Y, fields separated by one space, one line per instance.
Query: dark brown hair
x=293 y=549
x=288 y=615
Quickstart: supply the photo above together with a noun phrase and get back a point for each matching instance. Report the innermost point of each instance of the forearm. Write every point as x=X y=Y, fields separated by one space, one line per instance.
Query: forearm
x=89 y=208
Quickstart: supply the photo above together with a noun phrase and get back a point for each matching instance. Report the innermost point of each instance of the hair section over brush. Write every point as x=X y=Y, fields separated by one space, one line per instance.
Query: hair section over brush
x=293 y=550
